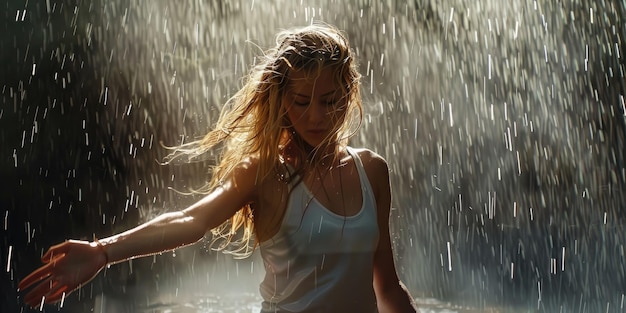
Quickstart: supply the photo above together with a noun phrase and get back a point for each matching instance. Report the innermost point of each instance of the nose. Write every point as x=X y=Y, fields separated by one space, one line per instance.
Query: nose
x=316 y=112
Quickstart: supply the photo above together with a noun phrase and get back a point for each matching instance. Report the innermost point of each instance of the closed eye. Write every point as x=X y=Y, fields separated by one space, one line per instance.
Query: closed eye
x=338 y=104
x=325 y=103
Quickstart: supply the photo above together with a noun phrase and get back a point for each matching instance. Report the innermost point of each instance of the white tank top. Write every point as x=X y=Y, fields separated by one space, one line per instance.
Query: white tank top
x=320 y=261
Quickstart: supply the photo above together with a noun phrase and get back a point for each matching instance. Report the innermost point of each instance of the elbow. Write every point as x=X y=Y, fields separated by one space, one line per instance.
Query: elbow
x=193 y=235
x=194 y=227
x=180 y=229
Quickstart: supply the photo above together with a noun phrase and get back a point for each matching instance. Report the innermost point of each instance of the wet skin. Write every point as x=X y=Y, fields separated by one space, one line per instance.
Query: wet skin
x=313 y=107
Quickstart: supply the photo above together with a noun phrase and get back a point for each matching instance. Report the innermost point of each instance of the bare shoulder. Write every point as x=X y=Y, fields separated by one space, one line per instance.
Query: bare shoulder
x=373 y=162
x=244 y=168
x=377 y=172
x=245 y=173
x=248 y=164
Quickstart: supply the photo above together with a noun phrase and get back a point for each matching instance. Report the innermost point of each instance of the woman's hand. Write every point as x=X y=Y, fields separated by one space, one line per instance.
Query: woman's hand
x=67 y=266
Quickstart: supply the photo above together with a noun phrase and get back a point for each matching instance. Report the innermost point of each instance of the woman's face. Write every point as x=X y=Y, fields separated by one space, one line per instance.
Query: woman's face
x=314 y=104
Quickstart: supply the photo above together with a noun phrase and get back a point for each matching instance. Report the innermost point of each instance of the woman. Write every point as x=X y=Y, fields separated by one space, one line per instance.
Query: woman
x=317 y=209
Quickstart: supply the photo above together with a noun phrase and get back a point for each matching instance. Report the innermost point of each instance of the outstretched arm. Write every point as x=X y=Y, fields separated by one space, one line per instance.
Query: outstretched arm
x=71 y=264
x=173 y=230
x=391 y=294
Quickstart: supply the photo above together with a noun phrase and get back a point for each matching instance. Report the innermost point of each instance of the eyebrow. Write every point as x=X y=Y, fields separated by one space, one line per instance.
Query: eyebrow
x=324 y=95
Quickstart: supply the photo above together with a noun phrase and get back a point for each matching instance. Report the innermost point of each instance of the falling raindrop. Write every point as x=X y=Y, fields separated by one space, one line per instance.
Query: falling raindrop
x=466 y=100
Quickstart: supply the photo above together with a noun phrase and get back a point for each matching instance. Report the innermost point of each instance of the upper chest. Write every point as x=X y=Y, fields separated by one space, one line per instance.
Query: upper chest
x=341 y=191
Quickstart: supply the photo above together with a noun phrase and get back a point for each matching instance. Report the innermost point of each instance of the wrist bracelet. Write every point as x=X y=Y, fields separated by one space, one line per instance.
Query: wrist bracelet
x=101 y=246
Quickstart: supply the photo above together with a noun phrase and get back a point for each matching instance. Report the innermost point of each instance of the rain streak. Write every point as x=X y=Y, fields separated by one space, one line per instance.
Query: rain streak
x=503 y=123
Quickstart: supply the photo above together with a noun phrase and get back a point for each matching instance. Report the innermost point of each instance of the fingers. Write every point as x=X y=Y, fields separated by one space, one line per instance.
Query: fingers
x=36 y=276
x=54 y=253
x=47 y=292
x=55 y=250
x=57 y=295
x=50 y=280
x=34 y=297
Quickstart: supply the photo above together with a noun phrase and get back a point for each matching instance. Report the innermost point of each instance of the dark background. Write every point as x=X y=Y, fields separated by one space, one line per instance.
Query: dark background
x=503 y=124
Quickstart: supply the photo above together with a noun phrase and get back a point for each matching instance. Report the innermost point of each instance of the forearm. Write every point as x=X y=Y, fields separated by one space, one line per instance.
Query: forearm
x=166 y=232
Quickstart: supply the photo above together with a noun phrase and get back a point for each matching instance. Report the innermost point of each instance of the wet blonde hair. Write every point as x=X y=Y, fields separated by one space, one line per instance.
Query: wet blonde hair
x=253 y=123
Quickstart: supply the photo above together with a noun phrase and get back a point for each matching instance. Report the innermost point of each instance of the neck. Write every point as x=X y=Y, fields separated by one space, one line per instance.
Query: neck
x=301 y=154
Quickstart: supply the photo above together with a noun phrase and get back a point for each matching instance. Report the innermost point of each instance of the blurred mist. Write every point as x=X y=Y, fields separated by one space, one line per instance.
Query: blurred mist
x=503 y=123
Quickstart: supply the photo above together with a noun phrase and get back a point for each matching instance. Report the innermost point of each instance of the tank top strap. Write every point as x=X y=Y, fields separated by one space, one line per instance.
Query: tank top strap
x=357 y=161
x=365 y=182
